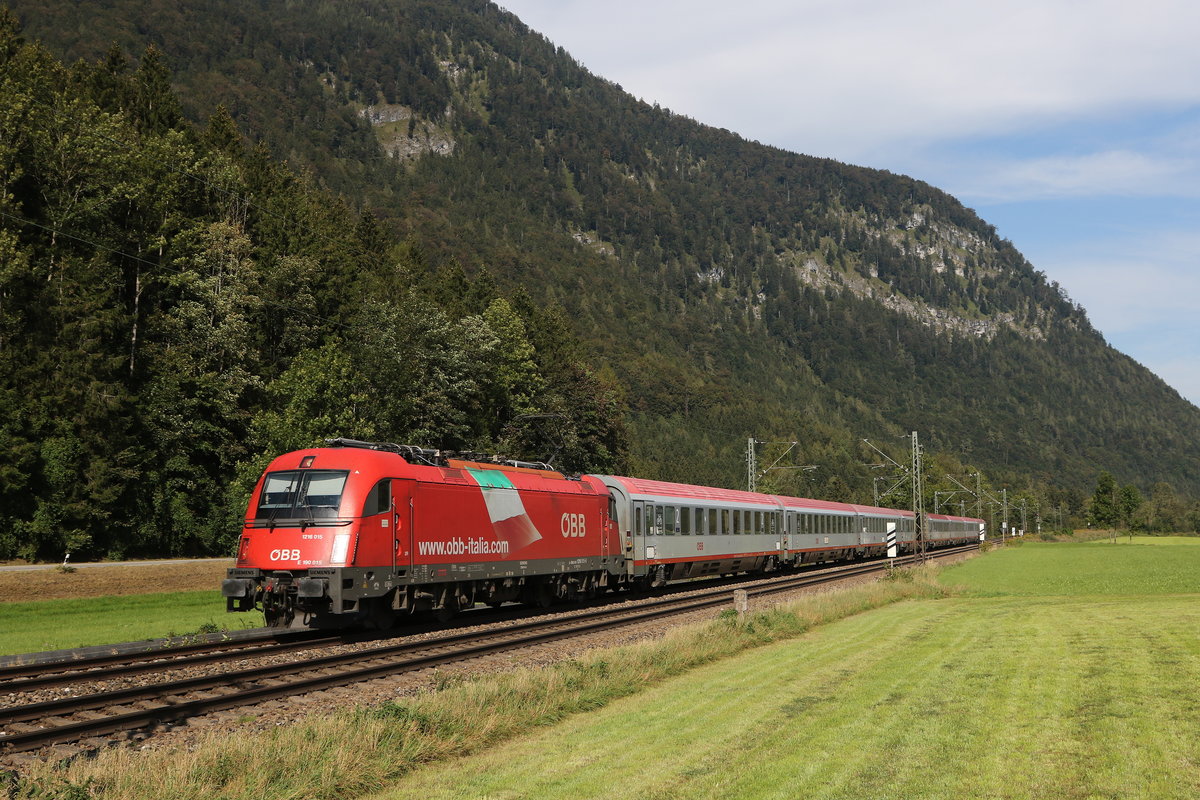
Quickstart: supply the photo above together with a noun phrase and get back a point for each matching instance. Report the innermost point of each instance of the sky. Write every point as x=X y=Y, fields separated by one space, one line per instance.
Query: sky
x=1073 y=126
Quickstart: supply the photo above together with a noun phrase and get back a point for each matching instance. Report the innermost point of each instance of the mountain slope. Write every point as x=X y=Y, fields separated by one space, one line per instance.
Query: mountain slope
x=734 y=288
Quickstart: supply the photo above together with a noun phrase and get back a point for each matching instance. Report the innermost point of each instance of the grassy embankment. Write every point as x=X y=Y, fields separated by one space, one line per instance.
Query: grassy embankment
x=1059 y=671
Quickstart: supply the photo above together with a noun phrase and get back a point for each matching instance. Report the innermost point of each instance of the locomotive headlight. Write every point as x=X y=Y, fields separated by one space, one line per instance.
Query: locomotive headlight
x=341 y=544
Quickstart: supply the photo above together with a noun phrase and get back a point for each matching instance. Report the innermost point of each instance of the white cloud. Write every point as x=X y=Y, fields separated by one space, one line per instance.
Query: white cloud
x=851 y=79
x=1123 y=173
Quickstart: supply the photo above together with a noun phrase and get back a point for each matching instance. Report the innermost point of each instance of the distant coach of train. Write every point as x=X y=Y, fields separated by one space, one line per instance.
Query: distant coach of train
x=367 y=532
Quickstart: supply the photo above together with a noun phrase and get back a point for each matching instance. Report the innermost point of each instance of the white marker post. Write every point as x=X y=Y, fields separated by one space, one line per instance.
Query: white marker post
x=890 y=540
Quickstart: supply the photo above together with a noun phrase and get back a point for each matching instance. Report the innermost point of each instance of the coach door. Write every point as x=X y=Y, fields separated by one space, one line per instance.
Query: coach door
x=640 y=525
x=402 y=526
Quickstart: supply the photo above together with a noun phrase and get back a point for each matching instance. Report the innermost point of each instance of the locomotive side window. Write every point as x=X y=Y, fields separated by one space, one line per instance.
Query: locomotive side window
x=638 y=530
x=297 y=495
x=379 y=499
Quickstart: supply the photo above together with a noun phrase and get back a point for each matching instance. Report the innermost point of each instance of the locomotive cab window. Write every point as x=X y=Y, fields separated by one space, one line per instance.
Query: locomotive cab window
x=301 y=495
x=379 y=499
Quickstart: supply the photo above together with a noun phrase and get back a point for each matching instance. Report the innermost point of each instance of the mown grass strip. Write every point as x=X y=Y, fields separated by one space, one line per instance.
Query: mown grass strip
x=59 y=624
x=961 y=698
x=349 y=753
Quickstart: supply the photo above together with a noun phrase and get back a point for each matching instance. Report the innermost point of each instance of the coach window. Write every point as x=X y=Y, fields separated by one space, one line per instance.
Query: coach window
x=667 y=520
x=726 y=524
x=685 y=524
x=379 y=499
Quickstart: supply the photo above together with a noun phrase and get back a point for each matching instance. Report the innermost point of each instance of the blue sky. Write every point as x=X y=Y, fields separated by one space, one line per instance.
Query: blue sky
x=1073 y=126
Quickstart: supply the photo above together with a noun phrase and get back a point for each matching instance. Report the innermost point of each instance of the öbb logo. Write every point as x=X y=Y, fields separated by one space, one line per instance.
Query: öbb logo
x=573 y=525
x=285 y=555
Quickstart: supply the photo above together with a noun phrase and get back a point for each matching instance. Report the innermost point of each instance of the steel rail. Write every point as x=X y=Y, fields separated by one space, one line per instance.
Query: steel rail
x=78 y=664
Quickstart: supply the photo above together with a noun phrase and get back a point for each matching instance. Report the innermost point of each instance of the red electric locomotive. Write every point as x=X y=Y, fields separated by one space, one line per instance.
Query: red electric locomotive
x=364 y=531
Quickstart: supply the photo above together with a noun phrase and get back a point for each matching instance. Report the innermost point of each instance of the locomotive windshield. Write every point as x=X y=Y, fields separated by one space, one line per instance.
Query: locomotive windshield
x=301 y=495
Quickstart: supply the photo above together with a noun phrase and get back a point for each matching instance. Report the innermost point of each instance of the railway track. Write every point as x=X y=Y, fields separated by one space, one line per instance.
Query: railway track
x=35 y=725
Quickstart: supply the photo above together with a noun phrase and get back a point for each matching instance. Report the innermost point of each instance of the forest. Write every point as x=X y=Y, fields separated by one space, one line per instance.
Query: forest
x=177 y=307
x=224 y=234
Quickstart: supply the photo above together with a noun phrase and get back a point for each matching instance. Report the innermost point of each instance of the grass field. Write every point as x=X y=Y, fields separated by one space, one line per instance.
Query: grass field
x=1090 y=690
x=57 y=624
x=1149 y=565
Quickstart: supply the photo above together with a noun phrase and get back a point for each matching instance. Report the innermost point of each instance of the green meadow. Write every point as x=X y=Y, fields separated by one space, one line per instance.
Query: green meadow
x=40 y=625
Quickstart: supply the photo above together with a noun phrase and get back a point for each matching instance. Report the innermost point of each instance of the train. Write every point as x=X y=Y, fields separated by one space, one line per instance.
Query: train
x=366 y=533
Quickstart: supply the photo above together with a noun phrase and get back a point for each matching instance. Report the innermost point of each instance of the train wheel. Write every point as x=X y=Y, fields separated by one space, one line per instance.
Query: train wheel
x=539 y=595
x=380 y=615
